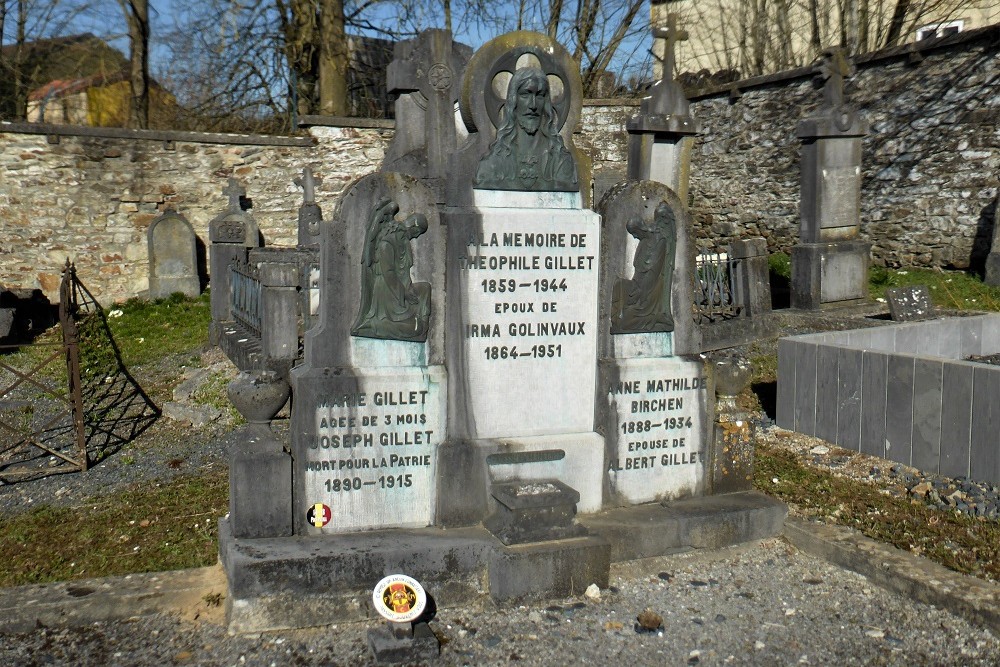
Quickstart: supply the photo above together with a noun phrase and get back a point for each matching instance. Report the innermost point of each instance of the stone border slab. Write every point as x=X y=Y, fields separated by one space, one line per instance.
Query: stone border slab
x=975 y=600
x=85 y=601
x=903 y=392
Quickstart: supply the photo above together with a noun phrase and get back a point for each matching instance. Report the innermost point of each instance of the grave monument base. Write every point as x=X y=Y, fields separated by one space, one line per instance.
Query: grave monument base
x=281 y=583
x=829 y=275
x=574 y=459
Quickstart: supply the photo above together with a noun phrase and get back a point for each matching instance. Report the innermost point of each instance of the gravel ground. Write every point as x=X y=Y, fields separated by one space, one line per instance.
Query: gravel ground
x=759 y=604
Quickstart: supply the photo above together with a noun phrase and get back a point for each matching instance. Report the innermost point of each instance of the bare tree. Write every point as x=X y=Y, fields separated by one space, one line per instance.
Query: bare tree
x=756 y=37
x=137 y=19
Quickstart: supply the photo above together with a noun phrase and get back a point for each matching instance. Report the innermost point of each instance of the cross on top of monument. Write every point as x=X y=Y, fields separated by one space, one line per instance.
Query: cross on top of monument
x=835 y=68
x=671 y=34
x=234 y=191
x=308 y=184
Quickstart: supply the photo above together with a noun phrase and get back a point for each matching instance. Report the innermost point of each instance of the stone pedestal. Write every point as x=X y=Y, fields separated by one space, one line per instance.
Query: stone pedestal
x=534 y=512
x=832 y=274
x=395 y=643
x=659 y=149
x=260 y=484
x=830 y=263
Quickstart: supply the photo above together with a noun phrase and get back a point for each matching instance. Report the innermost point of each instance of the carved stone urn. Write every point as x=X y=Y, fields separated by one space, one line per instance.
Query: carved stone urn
x=258 y=395
x=732 y=375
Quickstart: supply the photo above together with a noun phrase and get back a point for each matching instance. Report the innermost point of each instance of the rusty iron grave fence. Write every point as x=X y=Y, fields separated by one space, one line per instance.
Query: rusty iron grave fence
x=68 y=403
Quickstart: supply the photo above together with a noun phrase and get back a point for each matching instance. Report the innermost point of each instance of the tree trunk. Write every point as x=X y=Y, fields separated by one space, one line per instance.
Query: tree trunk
x=333 y=55
x=898 y=20
x=20 y=80
x=137 y=18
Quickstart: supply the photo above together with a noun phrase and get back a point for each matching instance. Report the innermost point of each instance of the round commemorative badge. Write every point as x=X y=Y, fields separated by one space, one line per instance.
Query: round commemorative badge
x=399 y=598
x=319 y=515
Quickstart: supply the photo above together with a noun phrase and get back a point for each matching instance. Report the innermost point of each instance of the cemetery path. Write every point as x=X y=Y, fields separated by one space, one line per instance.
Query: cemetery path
x=765 y=603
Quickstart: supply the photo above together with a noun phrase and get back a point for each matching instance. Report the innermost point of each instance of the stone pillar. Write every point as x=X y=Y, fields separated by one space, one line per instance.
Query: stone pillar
x=662 y=133
x=830 y=262
x=229 y=236
x=993 y=259
x=752 y=284
x=279 y=308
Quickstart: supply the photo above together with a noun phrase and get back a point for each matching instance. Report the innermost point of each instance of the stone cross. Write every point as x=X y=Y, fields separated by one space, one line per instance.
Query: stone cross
x=234 y=191
x=308 y=184
x=835 y=68
x=671 y=35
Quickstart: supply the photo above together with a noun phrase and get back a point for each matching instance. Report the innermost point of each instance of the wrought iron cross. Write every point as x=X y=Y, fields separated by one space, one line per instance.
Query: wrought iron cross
x=671 y=35
x=234 y=191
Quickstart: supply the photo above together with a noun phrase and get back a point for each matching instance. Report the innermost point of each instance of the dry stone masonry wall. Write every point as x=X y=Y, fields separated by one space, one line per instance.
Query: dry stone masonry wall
x=930 y=173
x=91 y=200
x=930 y=163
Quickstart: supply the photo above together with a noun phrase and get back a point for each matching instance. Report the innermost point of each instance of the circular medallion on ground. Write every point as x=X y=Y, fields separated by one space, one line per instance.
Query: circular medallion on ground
x=399 y=598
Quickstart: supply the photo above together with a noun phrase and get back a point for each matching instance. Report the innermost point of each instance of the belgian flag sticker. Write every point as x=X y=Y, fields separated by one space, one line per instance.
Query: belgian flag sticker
x=319 y=515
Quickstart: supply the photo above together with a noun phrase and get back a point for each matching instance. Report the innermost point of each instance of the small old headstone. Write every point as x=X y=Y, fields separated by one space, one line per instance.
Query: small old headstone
x=910 y=303
x=173 y=256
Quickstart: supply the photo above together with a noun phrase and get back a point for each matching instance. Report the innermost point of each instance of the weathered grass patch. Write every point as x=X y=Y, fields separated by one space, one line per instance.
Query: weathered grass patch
x=959 y=542
x=147 y=528
x=948 y=289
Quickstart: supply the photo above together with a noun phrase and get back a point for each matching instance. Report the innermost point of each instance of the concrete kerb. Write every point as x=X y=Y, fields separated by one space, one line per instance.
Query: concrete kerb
x=194 y=593
x=975 y=600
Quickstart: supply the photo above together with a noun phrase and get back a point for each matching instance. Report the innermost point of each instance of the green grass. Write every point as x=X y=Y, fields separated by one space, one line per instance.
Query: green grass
x=952 y=539
x=780 y=264
x=146 y=331
x=948 y=289
x=148 y=528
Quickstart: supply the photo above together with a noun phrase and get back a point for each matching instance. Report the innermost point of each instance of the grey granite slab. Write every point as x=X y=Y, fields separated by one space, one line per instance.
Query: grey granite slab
x=956 y=418
x=874 y=382
x=899 y=408
x=926 y=433
x=849 y=384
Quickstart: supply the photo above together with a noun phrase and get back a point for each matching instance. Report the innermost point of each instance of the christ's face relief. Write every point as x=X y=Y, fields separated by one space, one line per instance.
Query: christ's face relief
x=531 y=96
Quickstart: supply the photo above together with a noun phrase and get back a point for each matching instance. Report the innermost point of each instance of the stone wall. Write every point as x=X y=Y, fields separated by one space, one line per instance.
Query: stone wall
x=930 y=165
x=91 y=199
x=930 y=182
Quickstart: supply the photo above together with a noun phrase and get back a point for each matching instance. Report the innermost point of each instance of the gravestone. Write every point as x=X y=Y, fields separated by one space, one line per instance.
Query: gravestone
x=370 y=398
x=310 y=214
x=907 y=304
x=173 y=256
x=661 y=134
x=426 y=74
x=552 y=383
x=654 y=396
x=830 y=262
x=523 y=257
